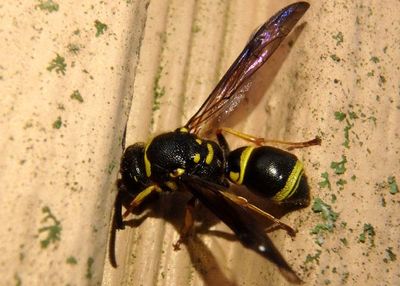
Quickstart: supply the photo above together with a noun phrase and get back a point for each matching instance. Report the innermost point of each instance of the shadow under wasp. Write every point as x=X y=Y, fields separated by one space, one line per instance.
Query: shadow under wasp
x=187 y=159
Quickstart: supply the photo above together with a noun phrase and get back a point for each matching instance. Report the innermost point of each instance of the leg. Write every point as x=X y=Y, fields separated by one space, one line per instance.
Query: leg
x=223 y=143
x=111 y=242
x=188 y=223
x=124 y=138
x=261 y=141
x=244 y=203
x=117 y=218
x=140 y=197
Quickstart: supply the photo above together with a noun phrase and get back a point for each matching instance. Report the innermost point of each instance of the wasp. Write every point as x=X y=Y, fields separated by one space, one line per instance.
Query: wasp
x=187 y=159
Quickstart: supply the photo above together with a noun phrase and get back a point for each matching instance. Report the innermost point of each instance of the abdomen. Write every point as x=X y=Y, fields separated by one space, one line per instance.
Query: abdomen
x=271 y=172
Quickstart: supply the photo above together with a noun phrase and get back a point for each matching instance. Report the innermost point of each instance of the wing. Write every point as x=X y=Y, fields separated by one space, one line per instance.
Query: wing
x=239 y=220
x=233 y=86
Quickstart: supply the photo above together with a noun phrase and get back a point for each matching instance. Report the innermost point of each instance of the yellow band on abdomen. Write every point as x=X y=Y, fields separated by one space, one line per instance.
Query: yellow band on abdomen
x=244 y=158
x=292 y=183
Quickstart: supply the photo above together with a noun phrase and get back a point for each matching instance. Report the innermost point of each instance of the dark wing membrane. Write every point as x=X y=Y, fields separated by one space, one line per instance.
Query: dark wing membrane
x=231 y=88
x=240 y=221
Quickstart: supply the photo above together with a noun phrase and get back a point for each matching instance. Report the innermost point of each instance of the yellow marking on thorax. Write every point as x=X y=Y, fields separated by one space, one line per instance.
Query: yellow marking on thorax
x=196 y=158
x=292 y=183
x=147 y=163
x=210 y=154
x=172 y=185
x=183 y=130
x=199 y=141
x=244 y=158
x=177 y=172
x=234 y=176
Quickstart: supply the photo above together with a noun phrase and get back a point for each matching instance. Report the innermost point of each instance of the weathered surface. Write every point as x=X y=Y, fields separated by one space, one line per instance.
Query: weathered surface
x=336 y=77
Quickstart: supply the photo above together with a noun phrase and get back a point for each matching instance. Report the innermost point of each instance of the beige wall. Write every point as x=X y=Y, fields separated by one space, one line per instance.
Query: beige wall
x=63 y=154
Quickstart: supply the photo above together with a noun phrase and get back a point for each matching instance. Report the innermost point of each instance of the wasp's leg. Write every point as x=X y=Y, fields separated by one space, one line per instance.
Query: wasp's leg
x=111 y=242
x=116 y=223
x=117 y=218
x=140 y=197
x=262 y=141
x=123 y=141
x=223 y=143
x=187 y=224
x=244 y=203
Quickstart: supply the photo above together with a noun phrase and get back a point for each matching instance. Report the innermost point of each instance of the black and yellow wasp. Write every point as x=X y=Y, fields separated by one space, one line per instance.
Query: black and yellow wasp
x=184 y=160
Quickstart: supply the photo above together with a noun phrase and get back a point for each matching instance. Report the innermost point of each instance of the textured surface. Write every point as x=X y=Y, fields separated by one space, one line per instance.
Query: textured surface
x=61 y=155
x=60 y=135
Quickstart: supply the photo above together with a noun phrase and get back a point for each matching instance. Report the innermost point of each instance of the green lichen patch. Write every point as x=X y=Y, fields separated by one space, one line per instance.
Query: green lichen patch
x=48 y=5
x=52 y=231
x=58 y=65
x=329 y=218
x=100 y=28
